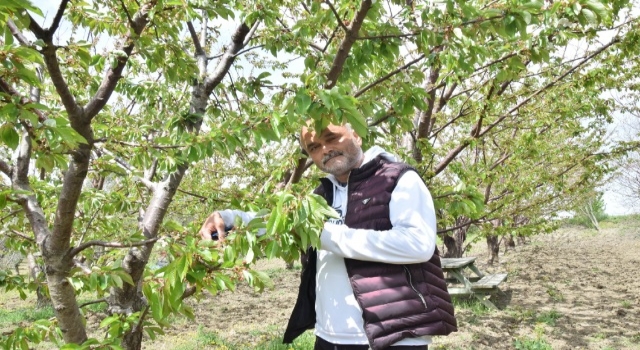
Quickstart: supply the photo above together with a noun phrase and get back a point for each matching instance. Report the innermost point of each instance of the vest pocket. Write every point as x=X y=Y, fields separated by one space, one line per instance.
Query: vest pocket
x=410 y=281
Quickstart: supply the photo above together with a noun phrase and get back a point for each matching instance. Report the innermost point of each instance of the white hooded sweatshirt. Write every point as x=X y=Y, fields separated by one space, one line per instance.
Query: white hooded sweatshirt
x=411 y=240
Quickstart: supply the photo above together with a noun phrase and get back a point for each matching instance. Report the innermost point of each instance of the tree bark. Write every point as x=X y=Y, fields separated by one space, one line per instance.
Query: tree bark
x=493 y=244
x=494 y=249
x=454 y=242
x=34 y=272
x=509 y=242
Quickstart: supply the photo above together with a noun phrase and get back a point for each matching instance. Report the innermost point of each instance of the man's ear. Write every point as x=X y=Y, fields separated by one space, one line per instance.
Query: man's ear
x=357 y=138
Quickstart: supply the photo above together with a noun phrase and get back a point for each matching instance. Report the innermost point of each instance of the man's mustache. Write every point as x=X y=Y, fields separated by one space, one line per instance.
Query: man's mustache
x=330 y=155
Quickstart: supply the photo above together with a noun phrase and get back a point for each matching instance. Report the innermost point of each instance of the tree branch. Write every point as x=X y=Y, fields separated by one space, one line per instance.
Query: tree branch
x=194 y=38
x=237 y=43
x=103 y=300
x=22 y=235
x=75 y=251
x=7 y=89
x=150 y=185
x=387 y=76
x=189 y=291
x=249 y=36
x=337 y=15
x=388 y=36
x=138 y=23
x=36 y=29
x=6 y=168
x=17 y=33
x=551 y=84
x=303 y=164
x=56 y=20
x=126 y=11
x=351 y=34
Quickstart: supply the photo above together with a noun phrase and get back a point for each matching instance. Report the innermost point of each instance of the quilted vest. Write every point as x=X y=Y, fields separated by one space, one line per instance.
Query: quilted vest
x=397 y=301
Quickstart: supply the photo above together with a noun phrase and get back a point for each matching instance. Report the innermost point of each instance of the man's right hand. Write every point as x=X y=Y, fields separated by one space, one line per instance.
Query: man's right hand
x=214 y=223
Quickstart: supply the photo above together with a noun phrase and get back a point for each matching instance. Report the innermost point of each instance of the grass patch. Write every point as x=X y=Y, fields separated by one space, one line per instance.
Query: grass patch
x=268 y=339
x=533 y=343
x=527 y=343
x=549 y=317
x=24 y=314
x=554 y=293
x=472 y=304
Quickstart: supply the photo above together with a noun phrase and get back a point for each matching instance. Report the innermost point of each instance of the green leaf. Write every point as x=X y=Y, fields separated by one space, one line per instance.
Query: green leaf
x=8 y=36
x=589 y=16
x=9 y=136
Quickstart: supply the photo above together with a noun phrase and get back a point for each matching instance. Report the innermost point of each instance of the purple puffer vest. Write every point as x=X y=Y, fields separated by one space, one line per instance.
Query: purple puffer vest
x=397 y=301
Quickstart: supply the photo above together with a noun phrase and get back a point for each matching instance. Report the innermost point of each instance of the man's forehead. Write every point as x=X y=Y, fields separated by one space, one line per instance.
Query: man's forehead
x=310 y=132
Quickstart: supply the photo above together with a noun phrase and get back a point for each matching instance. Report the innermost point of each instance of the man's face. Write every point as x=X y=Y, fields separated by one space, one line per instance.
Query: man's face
x=337 y=150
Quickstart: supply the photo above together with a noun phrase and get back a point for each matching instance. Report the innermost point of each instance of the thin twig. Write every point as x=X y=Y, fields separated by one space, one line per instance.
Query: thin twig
x=389 y=75
x=73 y=252
x=22 y=235
x=335 y=13
x=103 y=300
x=249 y=49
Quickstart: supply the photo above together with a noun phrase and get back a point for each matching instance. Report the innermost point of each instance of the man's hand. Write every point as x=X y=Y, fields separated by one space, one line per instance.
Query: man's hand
x=214 y=223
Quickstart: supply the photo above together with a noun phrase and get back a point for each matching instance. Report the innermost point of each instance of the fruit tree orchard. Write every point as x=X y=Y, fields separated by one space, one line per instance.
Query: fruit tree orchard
x=123 y=123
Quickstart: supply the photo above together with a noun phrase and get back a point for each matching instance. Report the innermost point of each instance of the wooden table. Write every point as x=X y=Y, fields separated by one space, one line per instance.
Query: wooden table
x=478 y=284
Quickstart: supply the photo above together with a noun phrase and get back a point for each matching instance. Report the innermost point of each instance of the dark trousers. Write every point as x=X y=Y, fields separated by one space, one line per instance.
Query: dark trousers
x=322 y=344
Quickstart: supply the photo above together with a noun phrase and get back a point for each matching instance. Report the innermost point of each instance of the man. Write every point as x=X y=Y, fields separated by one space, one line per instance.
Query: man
x=376 y=280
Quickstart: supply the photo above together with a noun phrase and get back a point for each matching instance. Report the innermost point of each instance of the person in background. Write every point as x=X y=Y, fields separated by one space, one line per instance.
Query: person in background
x=375 y=282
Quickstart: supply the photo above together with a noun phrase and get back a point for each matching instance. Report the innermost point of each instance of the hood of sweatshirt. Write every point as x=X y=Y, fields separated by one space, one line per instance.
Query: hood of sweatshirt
x=340 y=191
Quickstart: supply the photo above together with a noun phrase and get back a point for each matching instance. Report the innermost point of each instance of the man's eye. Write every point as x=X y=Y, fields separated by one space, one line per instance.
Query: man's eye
x=313 y=148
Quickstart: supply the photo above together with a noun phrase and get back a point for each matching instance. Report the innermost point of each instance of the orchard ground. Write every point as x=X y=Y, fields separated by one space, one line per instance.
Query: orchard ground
x=573 y=289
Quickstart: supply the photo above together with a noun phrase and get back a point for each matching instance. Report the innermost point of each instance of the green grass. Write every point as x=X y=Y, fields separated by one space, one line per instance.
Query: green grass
x=24 y=314
x=527 y=343
x=267 y=339
x=469 y=303
x=533 y=343
x=554 y=293
x=549 y=317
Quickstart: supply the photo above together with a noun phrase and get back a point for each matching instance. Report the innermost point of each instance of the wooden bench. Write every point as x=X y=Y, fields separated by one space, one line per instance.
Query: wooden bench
x=485 y=285
x=489 y=282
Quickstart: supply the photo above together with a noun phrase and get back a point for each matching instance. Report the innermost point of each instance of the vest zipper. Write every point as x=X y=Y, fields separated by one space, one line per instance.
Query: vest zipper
x=424 y=302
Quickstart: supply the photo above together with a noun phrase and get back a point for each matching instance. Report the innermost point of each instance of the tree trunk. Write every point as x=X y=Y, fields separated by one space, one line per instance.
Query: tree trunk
x=588 y=211
x=454 y=243
x=509 y=243
x=493 y=243
x=63 y=300
x=494 y=248
x=522 y=239
x=34 y=272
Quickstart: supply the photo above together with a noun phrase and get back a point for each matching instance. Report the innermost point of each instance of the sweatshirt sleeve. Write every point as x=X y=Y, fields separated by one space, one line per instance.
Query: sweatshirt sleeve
x=412 y=238
x=229 y=216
